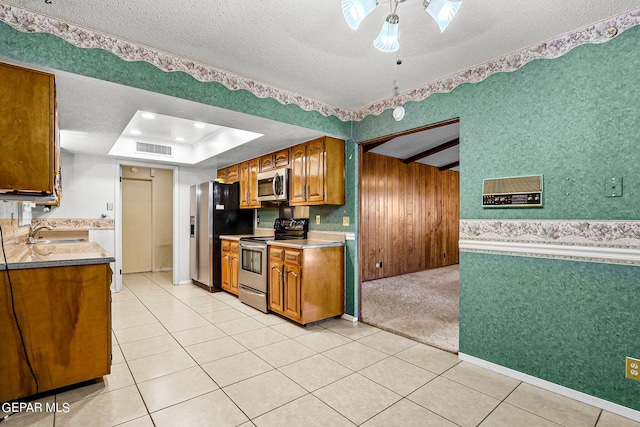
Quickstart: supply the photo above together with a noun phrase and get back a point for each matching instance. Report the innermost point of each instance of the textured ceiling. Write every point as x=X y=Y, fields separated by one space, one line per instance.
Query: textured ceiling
x=307 y=48
x=300 y=46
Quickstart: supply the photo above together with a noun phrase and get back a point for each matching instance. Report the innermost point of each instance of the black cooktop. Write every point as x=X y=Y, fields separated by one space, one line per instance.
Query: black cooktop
x=284 y=229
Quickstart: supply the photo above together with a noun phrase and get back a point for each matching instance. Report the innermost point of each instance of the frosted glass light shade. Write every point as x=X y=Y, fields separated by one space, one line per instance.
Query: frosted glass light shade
x=387 y=40
x=355 y=11
x=442 y=11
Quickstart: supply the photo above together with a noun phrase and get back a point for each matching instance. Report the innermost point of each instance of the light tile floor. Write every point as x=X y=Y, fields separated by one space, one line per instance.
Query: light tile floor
x=186 y=357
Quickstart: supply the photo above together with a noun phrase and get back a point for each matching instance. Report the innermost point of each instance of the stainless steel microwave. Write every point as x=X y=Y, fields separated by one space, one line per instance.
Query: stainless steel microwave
x=273 y=185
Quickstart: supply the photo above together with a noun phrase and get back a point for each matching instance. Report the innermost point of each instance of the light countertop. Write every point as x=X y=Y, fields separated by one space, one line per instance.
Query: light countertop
x=237 y=237
x=39 y=255
x=307 y=243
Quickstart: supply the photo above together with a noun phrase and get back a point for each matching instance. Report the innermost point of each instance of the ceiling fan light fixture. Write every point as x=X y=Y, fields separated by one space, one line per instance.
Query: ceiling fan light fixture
x=355 y=11
x=442 y=11
x=387 y=40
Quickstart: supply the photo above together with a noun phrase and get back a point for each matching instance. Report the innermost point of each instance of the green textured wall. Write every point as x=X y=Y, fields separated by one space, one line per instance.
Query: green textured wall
x=51 y=51
x=571 y=323
x=575 y=120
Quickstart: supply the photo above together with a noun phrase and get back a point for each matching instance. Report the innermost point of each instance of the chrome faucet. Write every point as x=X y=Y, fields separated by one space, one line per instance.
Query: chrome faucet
x=34 y=231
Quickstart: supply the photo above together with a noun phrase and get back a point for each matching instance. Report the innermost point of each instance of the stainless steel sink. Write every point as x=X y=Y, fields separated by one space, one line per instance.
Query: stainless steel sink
x=55 y=241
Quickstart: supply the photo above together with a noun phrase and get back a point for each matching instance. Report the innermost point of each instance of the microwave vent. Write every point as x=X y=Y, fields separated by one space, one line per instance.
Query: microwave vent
x=521 y=191
x=162 y=150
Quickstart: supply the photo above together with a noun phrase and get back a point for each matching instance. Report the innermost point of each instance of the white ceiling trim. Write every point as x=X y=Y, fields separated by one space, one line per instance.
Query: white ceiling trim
x=28 y=21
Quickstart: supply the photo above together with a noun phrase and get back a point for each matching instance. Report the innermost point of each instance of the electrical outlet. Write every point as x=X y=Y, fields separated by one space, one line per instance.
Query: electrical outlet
x=317 y=219
x=345 y=221
x=633 y=369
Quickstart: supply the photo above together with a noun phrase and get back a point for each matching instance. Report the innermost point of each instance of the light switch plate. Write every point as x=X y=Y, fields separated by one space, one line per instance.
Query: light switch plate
x=317 y=219
x=345 y=221
x=613 y=187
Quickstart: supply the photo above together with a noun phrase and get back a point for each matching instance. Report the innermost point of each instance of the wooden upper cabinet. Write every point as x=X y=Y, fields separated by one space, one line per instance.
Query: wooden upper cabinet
x=298 y=175
x=30 y=161
x=230 y=174
x=279 y=159
x=317 y=173
x=249 y=184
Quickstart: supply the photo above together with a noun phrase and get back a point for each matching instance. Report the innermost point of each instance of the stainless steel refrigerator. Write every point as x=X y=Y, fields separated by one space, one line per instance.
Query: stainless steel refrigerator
x=215 y=211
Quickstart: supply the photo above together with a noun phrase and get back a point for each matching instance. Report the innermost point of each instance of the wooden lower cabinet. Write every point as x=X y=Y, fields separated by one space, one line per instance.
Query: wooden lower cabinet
x=306 y=285
x=64 y=314
x=230 y=265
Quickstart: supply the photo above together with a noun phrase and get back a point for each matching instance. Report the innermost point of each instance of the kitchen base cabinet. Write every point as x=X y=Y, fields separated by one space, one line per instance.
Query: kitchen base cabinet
x=65 y=317
x=230 y=265
x=306 y=285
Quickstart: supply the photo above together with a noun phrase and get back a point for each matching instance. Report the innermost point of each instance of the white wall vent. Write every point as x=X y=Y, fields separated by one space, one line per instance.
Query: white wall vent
x=162 y=150
x=521 y=191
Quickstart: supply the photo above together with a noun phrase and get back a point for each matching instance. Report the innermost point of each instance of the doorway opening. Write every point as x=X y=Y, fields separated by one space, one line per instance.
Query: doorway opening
x=408 y=234
x=147 y=219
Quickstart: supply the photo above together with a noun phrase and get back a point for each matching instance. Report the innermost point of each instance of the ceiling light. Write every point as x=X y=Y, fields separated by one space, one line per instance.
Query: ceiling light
x=199 y=125
x=387 y=40
x=149 y=116
x=442 y=11
x=179 y=139
x=354 y=11
x=135 y=132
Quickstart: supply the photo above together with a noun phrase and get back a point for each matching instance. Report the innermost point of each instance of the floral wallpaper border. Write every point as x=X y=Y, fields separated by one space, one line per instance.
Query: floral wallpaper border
x=610 y=242
x=29 y=21
x=610 y=234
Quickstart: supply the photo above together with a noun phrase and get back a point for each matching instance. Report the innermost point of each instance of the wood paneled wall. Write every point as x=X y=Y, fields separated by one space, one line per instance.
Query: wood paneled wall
x=409 y=219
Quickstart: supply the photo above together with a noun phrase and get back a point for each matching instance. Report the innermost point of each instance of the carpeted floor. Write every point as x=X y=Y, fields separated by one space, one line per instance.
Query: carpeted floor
x=422 y=306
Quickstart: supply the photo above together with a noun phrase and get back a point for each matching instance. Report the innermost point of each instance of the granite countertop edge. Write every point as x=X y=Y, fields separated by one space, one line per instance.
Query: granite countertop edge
x=22 y=256
x=56 y=263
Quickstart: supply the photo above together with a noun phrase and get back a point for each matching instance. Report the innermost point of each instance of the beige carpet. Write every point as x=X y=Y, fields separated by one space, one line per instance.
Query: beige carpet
x=422 y=306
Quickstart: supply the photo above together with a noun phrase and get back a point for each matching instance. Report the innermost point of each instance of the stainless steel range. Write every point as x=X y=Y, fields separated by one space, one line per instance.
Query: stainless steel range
x=254 y=272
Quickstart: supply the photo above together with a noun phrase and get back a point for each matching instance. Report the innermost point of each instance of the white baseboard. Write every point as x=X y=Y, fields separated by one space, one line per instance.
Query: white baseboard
x=349 y=318
x=555 y=388
x=185 y=282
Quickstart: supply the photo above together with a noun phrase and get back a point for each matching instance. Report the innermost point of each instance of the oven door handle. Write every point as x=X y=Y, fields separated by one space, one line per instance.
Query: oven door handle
x=261 y=247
